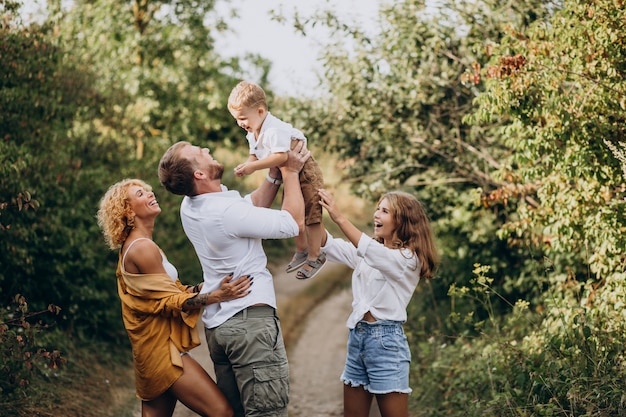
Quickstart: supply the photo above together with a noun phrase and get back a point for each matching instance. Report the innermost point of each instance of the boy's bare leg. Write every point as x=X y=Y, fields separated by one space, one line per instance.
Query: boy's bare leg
x=298 y=258
x=315 y=232
x=301 y=242
x=315 y=258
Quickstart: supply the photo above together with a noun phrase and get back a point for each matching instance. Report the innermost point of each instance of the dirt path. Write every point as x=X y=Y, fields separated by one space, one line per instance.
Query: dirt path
x=316 y=360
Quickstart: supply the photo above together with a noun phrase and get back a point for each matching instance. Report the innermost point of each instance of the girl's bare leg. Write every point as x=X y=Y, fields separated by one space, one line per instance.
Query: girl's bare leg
x=394 y=404
x=356 y=402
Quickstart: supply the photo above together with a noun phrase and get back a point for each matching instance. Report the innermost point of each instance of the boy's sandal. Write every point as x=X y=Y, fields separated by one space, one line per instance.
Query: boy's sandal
x=299 y=259
x=316 y=267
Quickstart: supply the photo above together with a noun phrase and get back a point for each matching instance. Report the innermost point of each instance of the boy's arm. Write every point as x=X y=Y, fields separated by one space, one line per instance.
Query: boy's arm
x=264 y=195
x=272 y=160
x=253 y=164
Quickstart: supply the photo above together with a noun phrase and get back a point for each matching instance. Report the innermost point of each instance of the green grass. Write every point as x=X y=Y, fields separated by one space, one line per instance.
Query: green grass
x=96 y=381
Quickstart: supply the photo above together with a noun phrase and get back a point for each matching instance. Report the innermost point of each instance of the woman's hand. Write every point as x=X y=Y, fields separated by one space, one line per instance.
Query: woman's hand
x=328 y=202
x=231 y=289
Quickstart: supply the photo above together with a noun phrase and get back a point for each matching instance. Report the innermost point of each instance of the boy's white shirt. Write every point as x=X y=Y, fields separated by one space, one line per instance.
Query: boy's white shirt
x=275 y=136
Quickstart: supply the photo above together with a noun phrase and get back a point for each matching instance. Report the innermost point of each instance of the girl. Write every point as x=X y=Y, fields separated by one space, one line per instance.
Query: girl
x=387 y=269
x=159 y=312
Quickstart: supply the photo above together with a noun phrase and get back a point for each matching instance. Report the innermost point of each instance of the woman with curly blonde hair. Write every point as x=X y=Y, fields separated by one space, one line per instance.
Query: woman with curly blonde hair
x=159 y=312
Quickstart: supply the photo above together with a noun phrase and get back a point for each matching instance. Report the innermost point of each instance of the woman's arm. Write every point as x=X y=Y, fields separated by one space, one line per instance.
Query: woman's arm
x=229 y=290
x=146 y=258
x=352 y=233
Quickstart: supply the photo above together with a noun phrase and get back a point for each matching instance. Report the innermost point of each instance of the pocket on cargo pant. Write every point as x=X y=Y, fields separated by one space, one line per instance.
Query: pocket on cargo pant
x=271 y=387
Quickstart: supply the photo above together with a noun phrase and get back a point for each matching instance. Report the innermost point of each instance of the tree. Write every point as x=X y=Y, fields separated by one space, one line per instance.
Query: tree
x=156 y=61
x=160 y=80
x=562 y=88
x=398 y=100
x=46 y=208
x=395 y=118
x=95 y=94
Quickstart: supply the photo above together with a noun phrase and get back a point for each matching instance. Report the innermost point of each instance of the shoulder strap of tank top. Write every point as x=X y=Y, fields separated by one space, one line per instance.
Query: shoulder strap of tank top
x=128 y=248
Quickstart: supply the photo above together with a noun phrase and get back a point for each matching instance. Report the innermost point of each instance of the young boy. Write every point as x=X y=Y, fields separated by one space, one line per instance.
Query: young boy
x=270 y=139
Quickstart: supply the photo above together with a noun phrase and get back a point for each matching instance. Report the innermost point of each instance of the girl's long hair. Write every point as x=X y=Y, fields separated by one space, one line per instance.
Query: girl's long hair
x=413 y=230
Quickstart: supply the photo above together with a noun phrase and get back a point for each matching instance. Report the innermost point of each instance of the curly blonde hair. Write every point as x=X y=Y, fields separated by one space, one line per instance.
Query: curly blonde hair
x=114 y=215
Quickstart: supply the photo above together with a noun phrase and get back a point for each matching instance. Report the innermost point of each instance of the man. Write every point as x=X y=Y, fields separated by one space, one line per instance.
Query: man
x=226 y=230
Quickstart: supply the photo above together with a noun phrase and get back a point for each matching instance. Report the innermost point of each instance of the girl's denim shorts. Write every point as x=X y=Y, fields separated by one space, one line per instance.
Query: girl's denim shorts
x=378 y=358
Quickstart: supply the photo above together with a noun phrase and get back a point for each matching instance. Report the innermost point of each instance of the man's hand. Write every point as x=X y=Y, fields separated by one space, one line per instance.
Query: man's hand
x=297 y=157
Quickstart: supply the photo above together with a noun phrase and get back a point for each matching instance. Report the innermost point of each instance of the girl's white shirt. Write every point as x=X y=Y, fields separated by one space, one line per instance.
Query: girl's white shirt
x=383 y=280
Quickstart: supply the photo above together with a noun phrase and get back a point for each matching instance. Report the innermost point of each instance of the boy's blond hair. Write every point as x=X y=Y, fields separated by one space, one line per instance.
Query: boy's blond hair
x=247 y=95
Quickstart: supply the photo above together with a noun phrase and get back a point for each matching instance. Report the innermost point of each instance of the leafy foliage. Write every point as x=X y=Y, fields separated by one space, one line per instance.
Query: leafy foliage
x=47 y=174
x=161 y=75
x=397 y=98
x=560 y=88
x=564 y=96
x=22 y=355
x=395 y=118
x=68 y=134
x=506 y=119
x=160 y=80
x=568 y=361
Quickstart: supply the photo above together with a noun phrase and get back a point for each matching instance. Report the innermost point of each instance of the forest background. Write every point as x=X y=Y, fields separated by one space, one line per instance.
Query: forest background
x=505 y=118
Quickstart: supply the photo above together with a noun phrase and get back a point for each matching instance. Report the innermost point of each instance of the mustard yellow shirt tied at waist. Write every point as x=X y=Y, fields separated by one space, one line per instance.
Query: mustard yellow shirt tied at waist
x=157 y=327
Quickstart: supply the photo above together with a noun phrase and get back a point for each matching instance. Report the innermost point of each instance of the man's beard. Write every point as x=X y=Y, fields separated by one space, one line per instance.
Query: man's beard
x=216 y=171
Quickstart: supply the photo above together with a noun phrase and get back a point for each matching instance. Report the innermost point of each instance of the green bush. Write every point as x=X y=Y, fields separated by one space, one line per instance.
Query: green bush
x=22 y=356
x=567 y=361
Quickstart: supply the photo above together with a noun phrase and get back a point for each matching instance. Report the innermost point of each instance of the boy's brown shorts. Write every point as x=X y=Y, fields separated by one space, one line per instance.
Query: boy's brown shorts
x=311 y=180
